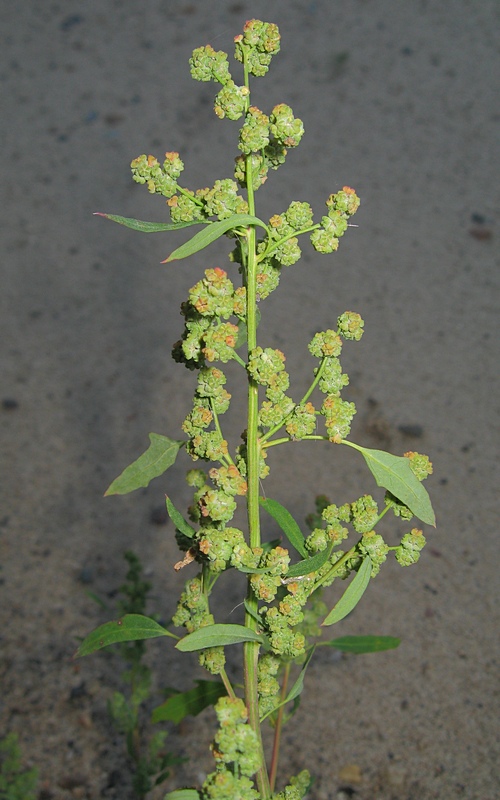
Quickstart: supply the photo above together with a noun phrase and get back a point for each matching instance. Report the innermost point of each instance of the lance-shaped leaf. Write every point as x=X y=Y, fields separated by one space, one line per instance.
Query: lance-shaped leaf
x=309 y=564
x=129 y=628
x=192 y=702
x=218 y=635
x=212 y=232
x=395 y=474
x=364 y=644
x=352 y=594
x=159 y=456
x=182 y=794
x=146 y=227
x=178 y=520
x=297 y=687
x=286 y=522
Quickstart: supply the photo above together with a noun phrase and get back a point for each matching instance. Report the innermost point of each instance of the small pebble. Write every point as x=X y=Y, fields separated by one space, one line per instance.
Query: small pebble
x=9 y=404
x=158 y=515
x=350 y=773
x=414 y=431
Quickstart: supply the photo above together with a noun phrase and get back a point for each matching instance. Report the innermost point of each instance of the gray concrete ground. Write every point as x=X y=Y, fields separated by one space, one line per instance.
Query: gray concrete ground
x=399 y=100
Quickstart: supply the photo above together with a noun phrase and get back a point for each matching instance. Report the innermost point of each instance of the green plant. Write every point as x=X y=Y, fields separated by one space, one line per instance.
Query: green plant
x=15 y=784
x=285 y=612
x=147 y=752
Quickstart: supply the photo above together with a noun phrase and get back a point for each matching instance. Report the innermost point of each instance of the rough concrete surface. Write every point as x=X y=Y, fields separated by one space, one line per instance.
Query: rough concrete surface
x=399 y=100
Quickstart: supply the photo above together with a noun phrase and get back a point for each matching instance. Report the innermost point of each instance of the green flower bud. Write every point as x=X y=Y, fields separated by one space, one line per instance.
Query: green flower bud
x=216 y=506
x=408 y=551
x=264 y=365
x=218 y=546
x=231 y=101
x=272 y=414
x=285 y=128
x=197 y=419
x=196 y=478
x=325 y=239
x=302 y=422
x=338 y=415
x=326 y=343
x=299 y=215
x=316 y=541
x=213 y=296
x=399 y=508
x=259 y=168
x=255 y=47
x=254 y=134
x=229 y=479
x=373 y=545
x=364 y=513
x=350 y=325
x=208 y=65
x=267 y=278
x=265 y=586
x=220 y=341
x=275 y=154
x=332 y=379
x=208 y=445
x=345 y=201
x=184 y=209
x=223 y=200
x=212 y=659
x=146 y=169
x=420 y=465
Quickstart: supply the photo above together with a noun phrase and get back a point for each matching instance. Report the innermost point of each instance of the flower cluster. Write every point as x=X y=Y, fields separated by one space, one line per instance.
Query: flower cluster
x=255 y=47
x=297 y=788
x=408 y=551
x=334 y=532
x=373 y=545
x=223 y=200
x=338 y=415
x=267 y=367
x=268 y=687
x=350 y=325
x=160 y=178
x=263 y=142
x=282 y=242
x=327 y=345
x=364 y=514
x=341 y=206
x=236 y=753
x=205 y=337
x=301 y=422
x=206 y=64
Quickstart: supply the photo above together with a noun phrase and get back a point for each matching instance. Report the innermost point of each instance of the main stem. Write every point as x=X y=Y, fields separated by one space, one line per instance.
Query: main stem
x=251 y=649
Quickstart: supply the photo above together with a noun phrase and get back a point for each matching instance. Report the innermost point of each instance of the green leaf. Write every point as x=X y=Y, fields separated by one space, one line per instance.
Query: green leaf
x=297 y=687
x=395 y=474
x=178 y=520
x=286 y=523
x=352 y=594
x=364 y=644
x=182 y=794
x=146 y=227
x=159 y=456
x=212 y=232
x=205 y=694
x=299 y=683
x=217 y=635
x=309 y=564
x=129 y=628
